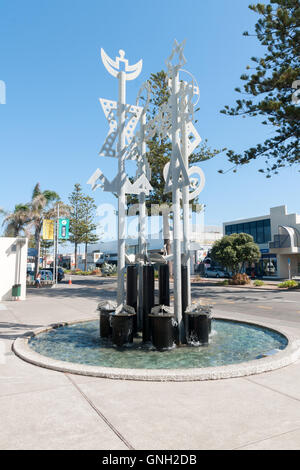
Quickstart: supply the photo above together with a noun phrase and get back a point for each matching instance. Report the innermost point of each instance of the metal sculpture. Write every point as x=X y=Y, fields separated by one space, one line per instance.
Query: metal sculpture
x=174 y=120
x=122 y=119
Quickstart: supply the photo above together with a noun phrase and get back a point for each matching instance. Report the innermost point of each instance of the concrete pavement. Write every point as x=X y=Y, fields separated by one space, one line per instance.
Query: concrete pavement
x=44 y=409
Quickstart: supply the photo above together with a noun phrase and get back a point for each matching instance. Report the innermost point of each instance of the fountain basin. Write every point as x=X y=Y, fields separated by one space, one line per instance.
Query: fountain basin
x=88 y=355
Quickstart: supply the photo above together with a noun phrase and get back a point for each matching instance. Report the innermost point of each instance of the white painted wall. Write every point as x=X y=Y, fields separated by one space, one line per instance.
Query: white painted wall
x=13 y=266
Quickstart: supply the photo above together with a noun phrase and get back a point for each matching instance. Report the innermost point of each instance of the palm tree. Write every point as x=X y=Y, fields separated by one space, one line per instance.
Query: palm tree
x=39 y=206
x=16 y=221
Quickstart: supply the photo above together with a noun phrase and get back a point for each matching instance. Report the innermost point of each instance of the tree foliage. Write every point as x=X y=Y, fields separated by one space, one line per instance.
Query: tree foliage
x=82 y=213
x=233 y=251
x=39 y=205
x=89 y=236
x=160 y=148
x=271 y=86
x=15 y=222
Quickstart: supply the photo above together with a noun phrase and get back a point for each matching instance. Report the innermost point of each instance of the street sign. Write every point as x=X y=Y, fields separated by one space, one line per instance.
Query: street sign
x=63 y=229
x=48 y=229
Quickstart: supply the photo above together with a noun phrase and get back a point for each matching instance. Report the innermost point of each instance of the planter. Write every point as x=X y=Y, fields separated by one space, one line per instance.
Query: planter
x=105 y=327
x=106 y=308
x=162 y=331
x=122 y=329
x=198 y=327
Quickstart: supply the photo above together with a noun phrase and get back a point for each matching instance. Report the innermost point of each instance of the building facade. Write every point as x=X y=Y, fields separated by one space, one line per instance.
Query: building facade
x=201 y=241
x=278 y=237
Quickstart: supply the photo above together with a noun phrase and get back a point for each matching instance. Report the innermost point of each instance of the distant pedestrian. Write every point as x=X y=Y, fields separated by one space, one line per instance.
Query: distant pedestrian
x=38 y=280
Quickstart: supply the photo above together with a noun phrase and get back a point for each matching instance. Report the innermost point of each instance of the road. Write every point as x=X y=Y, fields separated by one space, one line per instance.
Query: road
x=278 y=305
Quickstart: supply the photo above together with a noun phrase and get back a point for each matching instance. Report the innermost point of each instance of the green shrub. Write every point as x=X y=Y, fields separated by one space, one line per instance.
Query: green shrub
x=289 y=284
x=258 y=283
x=80 y=273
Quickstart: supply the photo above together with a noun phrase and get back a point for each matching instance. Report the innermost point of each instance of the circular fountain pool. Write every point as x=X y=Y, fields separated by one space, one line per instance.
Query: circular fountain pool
x=230 y=343
x=235 y=349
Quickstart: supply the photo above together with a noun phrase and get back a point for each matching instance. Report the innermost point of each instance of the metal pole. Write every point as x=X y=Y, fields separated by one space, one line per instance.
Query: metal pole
x=185 y=193
x=122 y=195
x=131 y=288
x=54 y=251
x=57 y=233
x=142 y=218
x=176 y=205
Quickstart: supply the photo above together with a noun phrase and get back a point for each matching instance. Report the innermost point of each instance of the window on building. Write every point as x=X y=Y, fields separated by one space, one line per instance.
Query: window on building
x=252 y=230
x=259 y=229
x=246 y=227
x=267 y=230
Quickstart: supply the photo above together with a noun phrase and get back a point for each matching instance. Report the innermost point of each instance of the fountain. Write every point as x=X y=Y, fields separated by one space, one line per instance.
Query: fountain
x=167 y=342
x=175 y=121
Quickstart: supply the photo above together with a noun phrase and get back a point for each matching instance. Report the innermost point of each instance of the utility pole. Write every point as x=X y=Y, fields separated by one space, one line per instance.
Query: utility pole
x=54 y=252
x=57 y=234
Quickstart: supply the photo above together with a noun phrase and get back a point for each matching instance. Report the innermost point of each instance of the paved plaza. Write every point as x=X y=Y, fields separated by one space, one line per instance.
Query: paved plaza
x=44 y=409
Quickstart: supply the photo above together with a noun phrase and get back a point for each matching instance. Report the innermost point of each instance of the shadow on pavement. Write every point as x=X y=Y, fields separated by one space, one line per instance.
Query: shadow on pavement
x=15 y=329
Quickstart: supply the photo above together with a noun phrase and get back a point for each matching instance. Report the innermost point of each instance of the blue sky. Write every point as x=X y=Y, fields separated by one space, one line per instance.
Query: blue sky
x=52 y=125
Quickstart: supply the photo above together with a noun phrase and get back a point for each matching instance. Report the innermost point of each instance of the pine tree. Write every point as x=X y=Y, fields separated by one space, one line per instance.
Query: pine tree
x=77 y=218
x=89 y=236
x=271 y=87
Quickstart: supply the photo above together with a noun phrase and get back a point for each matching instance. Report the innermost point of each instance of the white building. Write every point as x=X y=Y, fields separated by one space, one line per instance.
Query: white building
x=200 y=243
x=278 y=237
x=13 y=266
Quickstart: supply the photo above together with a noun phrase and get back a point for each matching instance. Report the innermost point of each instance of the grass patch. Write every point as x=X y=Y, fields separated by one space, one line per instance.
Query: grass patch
x=223 y=283
x=258 y=283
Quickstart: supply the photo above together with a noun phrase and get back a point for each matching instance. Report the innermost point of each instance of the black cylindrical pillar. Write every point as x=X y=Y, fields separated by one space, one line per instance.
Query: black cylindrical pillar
x=184 y=295
x=131 y=288
x=148 y=299
x=122 y=329
x=164 y=284
x=198 y=328
x=162 y=331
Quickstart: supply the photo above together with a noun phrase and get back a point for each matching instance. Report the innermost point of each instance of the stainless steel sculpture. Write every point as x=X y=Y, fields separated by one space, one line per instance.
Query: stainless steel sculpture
x=175 y=121
x=122 y=119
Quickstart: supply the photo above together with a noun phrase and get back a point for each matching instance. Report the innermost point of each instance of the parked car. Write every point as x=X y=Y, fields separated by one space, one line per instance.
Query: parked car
x=60 y=273
x=216 y=272
x=46 y=275
x=109 y=258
